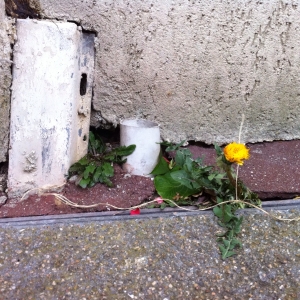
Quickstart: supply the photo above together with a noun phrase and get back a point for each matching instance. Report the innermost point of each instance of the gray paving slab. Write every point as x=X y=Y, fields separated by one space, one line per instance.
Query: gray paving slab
x=163 y=256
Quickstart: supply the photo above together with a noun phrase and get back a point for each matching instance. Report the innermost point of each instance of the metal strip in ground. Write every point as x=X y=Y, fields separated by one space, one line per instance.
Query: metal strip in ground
x=111 y=216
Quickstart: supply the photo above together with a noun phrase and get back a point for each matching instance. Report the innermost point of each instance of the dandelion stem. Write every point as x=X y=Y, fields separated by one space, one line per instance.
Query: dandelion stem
x=236 y=182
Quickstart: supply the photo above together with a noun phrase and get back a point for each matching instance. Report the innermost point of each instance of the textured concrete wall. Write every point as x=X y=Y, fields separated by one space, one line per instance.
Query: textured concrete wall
x=195 y=66
x=6 y=38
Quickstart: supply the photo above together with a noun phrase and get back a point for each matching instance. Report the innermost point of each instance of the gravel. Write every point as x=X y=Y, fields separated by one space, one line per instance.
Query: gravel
x=151 y=258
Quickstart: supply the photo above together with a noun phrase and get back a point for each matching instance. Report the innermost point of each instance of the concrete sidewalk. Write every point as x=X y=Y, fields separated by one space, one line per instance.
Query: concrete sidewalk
x=173 y=255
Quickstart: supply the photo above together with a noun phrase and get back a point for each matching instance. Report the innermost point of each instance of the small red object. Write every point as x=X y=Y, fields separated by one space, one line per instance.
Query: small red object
x=166 y=160
x=136 y=211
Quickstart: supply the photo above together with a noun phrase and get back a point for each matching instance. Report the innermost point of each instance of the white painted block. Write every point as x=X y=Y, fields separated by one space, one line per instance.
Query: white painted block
x=51 y=103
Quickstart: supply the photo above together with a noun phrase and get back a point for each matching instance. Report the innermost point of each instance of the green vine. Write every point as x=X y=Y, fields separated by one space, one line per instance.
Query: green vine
x=182 y=179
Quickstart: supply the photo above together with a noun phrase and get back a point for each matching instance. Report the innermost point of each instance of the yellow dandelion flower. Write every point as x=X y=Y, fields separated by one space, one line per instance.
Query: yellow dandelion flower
x=236 y=153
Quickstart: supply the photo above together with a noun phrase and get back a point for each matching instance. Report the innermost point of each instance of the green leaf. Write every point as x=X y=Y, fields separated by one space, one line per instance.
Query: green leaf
x=211 y=177
x=227 y=215
x=96 y=145
x=92 y=183
x=96 y=165
x=223 y=213
x=219 y=200
x=84 y=161
x=236 y=243
x=76 y=168
x=97 y=174
x=226 y=243
x=107 y=169
x=219 y=176
x=189 y=165
x=171 y=147
x=84 y=182
x=125 y=150
x=181 y=157
x=199 y=161
x=182 y=177
x=218 y=212
x=226 y=252
x=218 y=149
x=88 y=170
x=111 y=157
x=163 y=205
x=161 y=168
x=175 y=168
x=168 y=188
x=222 y=163
x=92 y=139
x=237 y=225
x=107 y=182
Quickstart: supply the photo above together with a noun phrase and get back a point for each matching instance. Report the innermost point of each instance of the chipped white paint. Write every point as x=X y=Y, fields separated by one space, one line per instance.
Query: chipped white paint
x=2 y=10
x=6 y=38
x=51 y=103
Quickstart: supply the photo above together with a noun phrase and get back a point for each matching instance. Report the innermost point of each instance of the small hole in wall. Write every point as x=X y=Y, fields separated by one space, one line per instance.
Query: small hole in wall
x=83 y=84
x=84 y=138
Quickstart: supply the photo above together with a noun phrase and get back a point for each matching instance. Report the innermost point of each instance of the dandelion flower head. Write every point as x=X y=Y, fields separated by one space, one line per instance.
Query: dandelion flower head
x=236 y=153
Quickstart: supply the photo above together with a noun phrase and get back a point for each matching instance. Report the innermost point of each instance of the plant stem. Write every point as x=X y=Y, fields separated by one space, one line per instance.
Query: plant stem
x=233 y=181
x=236 y=182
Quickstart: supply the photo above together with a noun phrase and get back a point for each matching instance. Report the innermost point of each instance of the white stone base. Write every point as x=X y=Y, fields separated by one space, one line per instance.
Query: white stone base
x=51 y=103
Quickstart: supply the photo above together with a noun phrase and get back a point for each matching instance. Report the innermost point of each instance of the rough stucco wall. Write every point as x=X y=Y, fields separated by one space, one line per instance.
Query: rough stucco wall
x=6 y=38
x=195 y=66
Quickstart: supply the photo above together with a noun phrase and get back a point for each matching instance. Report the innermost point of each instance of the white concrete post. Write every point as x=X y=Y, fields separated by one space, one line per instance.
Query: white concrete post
x=51 y=103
